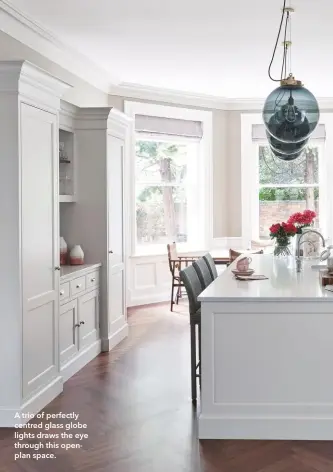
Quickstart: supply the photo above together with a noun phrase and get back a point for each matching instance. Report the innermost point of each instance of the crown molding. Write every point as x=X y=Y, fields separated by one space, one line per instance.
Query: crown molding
x=21 y=27
x=168 y=96
x=129 y=90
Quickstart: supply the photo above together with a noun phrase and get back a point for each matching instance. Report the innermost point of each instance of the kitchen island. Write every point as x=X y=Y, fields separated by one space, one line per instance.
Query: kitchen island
x=267 y=354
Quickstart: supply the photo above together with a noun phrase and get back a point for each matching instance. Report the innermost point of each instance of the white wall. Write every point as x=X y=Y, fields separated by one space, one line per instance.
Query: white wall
x=82 y=94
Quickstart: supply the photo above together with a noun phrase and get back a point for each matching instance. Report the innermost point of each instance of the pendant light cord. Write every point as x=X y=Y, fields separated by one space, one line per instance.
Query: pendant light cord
x=276 y=43
x=285 y=49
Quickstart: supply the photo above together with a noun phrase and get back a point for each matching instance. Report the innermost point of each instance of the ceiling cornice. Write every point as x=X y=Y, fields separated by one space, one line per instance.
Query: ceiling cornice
x=176 y=97
x=21 y=27
x=181 y=98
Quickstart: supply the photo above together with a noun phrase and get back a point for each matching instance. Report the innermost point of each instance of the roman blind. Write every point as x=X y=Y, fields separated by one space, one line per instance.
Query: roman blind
x=168 y=126
x=259 y=132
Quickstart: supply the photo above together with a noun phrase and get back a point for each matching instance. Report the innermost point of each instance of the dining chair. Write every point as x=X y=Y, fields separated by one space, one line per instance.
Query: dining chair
x=192 y=284
x=175 y=265
x=211 y=265
x=203 y=272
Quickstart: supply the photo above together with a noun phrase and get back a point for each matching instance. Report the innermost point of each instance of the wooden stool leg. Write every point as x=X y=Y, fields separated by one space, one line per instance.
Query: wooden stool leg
x=172 y=294
x=193 y=364
x=178 y=295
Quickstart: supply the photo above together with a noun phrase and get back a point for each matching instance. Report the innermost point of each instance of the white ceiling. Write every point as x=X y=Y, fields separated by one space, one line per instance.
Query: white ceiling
x=214 y=47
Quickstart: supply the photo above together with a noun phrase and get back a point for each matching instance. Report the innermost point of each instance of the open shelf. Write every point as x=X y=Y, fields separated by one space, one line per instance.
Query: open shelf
x=66 y=166
x=66 y=198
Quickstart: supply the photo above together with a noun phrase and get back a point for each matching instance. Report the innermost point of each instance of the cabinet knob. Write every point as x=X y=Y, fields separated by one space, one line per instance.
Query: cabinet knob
x=93 y=279
x=62 y=292
x=78 y=286
x=110 y=252
x=57 y=268
x=77 y=325
x=81 y=322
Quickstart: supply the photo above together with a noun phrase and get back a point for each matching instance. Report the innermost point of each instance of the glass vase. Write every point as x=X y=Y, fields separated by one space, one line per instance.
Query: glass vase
x=282 y=249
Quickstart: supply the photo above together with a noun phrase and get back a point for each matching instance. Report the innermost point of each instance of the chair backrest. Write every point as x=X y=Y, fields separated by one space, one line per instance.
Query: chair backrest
x=192 y=284
x=234 y=254
x=203 y=272
x=172 y=255
x=211 y=265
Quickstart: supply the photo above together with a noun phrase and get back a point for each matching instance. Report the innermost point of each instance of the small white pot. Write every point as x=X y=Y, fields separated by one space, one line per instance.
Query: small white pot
x=76 y=256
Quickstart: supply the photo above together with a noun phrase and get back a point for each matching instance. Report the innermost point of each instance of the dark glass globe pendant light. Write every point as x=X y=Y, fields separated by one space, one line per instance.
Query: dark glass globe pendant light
x=291 y=112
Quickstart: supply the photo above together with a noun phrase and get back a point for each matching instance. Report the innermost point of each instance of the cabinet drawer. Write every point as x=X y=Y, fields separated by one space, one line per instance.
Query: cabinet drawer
x=64 y=291
x=78 y=285
x=92 y=279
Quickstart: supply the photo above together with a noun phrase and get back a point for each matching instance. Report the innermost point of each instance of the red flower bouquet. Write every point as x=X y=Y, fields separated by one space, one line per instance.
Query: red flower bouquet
x=282 y=232
x=302 y=220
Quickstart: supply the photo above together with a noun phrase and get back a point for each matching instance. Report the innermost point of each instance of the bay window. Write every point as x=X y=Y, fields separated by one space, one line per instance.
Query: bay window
x=171 y=178
x=273 y=189
x=287 y=187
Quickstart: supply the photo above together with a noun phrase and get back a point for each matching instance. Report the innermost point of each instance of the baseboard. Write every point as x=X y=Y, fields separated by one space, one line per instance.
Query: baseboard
x=115 y=338
x=303 y=429
x=78 y=362
x=34 y=405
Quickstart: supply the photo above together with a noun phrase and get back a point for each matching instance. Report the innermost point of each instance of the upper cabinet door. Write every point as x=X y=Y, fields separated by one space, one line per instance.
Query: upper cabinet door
x=116 y=263
x=40 y=252
x=115 y=167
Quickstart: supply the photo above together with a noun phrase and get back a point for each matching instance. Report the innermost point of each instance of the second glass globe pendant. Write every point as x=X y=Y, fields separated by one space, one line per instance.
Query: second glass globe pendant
x=291 y=112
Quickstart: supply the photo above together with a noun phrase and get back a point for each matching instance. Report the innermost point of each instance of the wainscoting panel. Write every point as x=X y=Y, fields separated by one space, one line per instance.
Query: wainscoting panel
x=149 y=280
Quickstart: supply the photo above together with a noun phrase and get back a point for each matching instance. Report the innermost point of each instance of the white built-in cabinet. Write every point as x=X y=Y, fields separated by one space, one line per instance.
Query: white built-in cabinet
x=79 y=337
x=54 y=319
x=97 y=220
x=29 y=215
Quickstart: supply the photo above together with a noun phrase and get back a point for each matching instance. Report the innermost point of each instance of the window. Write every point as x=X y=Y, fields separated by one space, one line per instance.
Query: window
x=165 y=189
x=285 y=187
x=170 y=190
x=273 y=189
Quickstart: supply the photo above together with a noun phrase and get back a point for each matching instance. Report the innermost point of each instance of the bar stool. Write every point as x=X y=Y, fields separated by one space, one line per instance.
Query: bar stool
x=192 y=284
x=203 y=272
x=211 y=265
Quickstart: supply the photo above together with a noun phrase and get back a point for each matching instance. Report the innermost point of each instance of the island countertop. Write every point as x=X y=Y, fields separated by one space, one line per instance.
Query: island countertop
x=283 y=282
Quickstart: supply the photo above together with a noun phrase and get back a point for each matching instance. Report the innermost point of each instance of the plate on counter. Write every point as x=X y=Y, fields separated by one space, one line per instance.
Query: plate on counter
x=244 y=273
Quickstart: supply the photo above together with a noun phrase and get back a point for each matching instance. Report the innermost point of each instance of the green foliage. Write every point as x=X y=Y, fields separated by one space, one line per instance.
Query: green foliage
x=285 y=194
x=300 y=171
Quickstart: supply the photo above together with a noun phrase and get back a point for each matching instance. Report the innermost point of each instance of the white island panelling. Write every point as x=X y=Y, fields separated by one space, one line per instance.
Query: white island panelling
x=267 y=354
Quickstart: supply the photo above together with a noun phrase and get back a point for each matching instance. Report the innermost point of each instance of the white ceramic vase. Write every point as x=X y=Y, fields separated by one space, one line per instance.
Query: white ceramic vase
x=76 y=256
x=63 y=251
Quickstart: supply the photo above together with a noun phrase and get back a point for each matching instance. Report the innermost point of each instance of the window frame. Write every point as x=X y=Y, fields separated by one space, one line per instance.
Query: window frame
x=250 y=171
x=321 y=186
x=205 y=187
x=192 y=200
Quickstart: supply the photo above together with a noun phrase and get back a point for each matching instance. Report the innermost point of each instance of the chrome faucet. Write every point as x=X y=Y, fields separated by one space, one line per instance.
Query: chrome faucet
x=298 y=251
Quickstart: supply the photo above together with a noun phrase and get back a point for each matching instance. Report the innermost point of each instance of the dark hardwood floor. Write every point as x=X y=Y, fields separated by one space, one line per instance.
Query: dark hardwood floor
x=136 y=403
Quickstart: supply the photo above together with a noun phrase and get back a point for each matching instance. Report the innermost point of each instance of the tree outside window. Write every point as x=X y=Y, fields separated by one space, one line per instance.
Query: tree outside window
x=287 y=187
x=161 y=191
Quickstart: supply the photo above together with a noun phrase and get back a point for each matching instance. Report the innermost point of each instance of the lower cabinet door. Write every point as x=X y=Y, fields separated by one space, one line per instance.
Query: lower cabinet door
x=88 y=317
x=68 y=332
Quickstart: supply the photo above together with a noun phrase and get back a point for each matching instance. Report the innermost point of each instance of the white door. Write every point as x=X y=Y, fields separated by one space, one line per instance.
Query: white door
x=68 y=332
x=39 y=246
x=88 y=319
x=116 y=262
